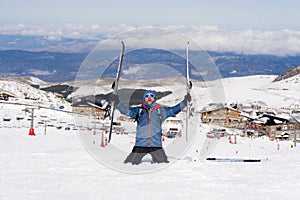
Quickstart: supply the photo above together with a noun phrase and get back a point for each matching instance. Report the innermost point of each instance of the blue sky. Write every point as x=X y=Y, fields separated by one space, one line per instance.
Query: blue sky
x=227 y=14
x=242 y=26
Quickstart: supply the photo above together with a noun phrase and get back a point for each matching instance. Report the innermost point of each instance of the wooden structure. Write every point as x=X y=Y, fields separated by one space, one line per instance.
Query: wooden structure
x=87 y=109
x=224 y=115
x=279 y=127
x=6 y=95
x=276 y=127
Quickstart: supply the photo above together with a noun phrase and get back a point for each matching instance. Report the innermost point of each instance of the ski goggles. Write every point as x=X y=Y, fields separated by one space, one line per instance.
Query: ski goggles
x=149 y=95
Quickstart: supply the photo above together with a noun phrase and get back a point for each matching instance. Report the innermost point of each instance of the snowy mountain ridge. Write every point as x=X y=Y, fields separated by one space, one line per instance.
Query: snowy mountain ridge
x=258 y=88
x=30 y=80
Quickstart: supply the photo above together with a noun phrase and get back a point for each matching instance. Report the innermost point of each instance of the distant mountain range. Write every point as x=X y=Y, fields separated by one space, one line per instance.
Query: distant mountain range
x=48 y=66
x=59 y=61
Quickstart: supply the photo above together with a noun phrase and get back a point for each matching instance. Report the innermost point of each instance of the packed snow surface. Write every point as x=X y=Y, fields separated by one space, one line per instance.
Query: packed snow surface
x=57 y=166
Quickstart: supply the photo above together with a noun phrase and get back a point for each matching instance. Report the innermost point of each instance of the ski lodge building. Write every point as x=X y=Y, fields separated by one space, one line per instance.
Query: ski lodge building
x=222 y=115
x=264 y=123
x=86 y=109
x=4 y=95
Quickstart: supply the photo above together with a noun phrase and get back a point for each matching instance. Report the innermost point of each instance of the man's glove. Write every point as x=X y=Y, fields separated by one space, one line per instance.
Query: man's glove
x=187 y=98
x=190 y=85
x=115 y=98
x=113 y=85
x=107 y=111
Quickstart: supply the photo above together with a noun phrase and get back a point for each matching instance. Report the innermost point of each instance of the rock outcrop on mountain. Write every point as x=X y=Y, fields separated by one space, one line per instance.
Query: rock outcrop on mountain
x=288 y=74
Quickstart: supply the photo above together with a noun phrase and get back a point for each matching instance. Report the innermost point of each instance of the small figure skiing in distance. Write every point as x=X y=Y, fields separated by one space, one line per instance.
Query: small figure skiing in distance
x=149 y=117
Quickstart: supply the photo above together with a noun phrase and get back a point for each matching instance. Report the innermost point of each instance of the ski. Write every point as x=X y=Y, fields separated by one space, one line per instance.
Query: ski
x=115 y=87
x=188 y=88
x=234 y=160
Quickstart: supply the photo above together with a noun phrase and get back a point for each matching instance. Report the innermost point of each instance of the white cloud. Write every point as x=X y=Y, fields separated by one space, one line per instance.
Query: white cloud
x=41 y=72
x=149 y=71
x=277 y=42
x=133 y=70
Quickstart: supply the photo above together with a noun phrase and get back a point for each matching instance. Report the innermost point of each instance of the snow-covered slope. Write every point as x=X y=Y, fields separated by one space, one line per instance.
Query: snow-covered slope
x=258 y=88
x=25 y=94
x=30 y=80
x=261 y=88
x=56 y=165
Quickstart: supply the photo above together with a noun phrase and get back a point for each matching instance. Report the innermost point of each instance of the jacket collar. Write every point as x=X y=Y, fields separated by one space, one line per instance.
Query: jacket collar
x=153 y=106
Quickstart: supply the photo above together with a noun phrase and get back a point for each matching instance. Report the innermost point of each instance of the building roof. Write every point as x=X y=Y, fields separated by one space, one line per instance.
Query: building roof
x=86 y=105
x=276 y=117
x=5 y=93
x=81 y=104
x=217 y=107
